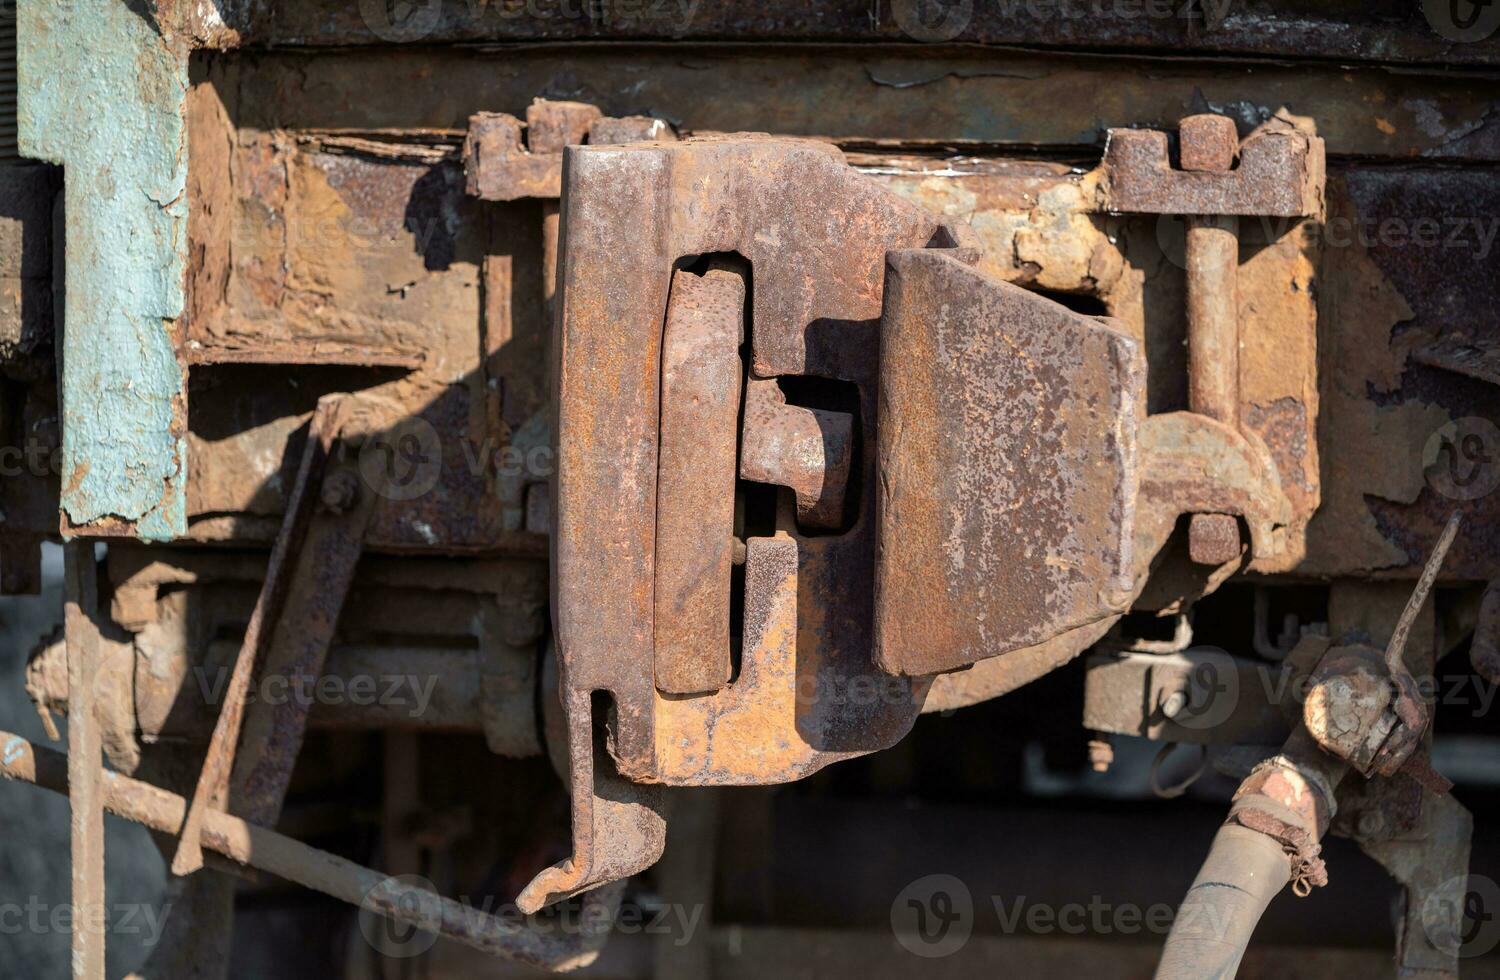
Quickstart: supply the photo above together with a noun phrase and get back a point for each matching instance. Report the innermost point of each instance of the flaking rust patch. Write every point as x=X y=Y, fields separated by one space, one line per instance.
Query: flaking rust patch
x=1063 y=243
x=1369 y=449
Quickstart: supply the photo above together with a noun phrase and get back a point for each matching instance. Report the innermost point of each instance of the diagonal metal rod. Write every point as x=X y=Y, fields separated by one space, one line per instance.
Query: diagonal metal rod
x=563 y=947
x=213 y=782
x=1394 y=649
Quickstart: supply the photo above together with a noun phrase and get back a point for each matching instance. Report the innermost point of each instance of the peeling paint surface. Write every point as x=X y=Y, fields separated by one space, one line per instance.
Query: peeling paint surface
x=103 y=94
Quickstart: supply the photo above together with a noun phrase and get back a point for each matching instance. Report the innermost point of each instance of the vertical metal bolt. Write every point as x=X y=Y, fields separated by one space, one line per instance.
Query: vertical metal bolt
x=1174 y=704
x=1207 y=144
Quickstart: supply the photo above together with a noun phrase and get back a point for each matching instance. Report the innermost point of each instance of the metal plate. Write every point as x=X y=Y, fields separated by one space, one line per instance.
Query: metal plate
x=1008 y=475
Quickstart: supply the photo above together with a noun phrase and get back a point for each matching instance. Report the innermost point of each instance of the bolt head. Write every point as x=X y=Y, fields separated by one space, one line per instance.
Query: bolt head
x=1214 y=539
x=1208 y=143
x=340 y=491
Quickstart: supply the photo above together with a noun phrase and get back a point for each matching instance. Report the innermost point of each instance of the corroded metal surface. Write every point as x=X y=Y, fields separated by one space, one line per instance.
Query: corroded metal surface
x=1367 y=708
x=1214 y=539
x=1212 y=254
x=701 y=377
x=1280 y=30
x=445 y=308
x=1348 y=706
x=1207 y=142
x=318 y=585
x=1211 y=251
x=1280 y=174
x=1191 y=464
x=1007 y=463
x=618 y=826
x=1431 y=861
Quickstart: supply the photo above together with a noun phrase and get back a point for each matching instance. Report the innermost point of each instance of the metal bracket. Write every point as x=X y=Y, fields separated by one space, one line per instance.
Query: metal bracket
x=1280 y=173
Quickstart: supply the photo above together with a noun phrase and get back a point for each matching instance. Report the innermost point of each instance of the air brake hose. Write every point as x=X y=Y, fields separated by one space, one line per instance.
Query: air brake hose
x=1279 y=815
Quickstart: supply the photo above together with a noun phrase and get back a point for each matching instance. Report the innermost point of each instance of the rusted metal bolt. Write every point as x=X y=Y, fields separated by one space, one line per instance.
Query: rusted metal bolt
x=1371 y=823
x=340 y=491
x=1207 y=143
x=1214 y=539
x=1101 y=753
x=1174 y=704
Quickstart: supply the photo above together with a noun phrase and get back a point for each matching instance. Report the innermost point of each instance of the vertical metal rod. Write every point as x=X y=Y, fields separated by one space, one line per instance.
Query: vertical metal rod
x=85 y=759
x=1208 y=144
x=1213 y=246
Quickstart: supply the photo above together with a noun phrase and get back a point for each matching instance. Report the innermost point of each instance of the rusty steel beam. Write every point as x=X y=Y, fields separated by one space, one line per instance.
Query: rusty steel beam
x=1284 y=31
